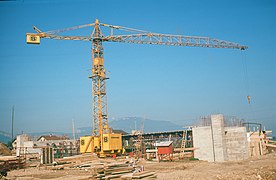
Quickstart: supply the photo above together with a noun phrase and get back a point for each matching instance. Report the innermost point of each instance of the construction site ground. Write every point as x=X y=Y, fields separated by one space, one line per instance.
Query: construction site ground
x=253 y=168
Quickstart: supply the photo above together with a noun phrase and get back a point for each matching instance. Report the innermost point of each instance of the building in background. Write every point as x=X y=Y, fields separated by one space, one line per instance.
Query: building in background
x=60 y=146
x=52 y=138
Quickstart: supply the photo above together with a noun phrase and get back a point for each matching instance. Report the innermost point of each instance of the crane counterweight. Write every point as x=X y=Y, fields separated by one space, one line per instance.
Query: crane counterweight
x=32 y=38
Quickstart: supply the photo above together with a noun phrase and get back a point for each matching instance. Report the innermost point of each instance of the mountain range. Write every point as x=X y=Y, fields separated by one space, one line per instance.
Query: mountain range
x=128 y=124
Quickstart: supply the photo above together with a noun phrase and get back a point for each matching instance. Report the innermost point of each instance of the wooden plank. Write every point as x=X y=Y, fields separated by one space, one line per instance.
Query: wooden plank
x=143 y=175
x=152 y=177
x=119 y=169
x=140 y=173
x=127 y=176
x=9 y=158
x=270 y=145
x=122 y=172
x=112 y=176
x=110 y=166
x=99 y=176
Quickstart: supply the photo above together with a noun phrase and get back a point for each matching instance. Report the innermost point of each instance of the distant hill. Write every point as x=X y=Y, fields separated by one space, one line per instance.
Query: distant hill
x=34 y=136
x=126 y=124
x=131 y=123
x=4 y=137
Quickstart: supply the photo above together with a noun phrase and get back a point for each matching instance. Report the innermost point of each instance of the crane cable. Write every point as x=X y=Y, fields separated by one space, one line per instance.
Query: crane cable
x=246 y=78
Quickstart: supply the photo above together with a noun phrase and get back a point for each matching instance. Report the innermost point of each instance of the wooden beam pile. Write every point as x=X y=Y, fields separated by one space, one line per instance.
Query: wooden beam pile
x=8 y=163
x=112 y=171
x=121 y=171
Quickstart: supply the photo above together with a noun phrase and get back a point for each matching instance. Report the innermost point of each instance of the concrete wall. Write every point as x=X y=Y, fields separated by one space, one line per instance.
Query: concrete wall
x=202 y=140
x=236 y=143
x=216 y=143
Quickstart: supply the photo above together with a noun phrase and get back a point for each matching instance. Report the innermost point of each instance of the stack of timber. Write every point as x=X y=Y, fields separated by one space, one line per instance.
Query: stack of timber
x=11 y=162
x=77 y=161
x=112 y=171
x=121 y=171
x=8 y=163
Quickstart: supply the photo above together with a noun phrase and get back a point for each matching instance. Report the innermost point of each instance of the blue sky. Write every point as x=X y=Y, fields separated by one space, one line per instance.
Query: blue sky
x=48 y=83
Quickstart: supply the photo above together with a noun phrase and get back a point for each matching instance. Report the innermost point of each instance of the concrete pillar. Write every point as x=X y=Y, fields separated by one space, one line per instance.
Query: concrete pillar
x=218 y=138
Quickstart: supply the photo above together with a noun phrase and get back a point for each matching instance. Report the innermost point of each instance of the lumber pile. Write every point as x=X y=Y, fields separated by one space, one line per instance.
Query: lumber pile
x=103 y=169
x=76 y=159
x=8 y=163
x=112 y=171
x=122 y=171
x=82 y=165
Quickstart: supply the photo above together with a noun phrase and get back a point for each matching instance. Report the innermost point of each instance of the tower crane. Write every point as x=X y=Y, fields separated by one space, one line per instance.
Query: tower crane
x=102 y=140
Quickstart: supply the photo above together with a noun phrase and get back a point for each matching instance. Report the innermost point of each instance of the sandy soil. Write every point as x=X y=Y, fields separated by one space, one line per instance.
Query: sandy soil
x=264 y=168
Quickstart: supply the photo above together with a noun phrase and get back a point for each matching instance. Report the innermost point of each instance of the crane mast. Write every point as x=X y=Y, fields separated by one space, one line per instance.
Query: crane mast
x=99 y=98
x=102 y=140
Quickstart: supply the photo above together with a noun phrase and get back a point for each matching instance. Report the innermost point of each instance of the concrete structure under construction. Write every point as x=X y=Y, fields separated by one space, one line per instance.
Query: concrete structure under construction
x=149 y=139
x=61 y=146
x=216 y=143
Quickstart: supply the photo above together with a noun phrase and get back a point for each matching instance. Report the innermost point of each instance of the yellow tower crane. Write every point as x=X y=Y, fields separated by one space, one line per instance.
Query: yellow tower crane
x=102 y=141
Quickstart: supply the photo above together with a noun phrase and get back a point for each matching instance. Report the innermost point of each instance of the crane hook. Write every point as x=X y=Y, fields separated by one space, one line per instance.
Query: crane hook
x=248 y=98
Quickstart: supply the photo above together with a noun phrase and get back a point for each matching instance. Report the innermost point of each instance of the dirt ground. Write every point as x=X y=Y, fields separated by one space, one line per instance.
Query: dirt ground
x=264 y=168
x=258 y=168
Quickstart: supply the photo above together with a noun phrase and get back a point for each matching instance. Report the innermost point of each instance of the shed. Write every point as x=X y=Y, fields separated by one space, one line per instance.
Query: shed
x=164 y=150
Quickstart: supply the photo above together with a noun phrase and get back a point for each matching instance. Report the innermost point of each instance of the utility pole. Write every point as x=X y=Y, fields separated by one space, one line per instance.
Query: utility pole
x=73 y=124
x=12 y=123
